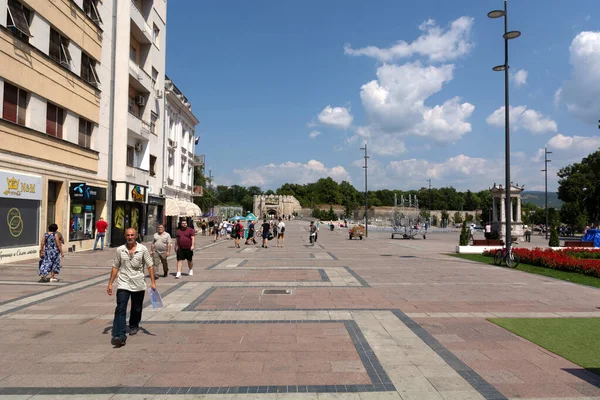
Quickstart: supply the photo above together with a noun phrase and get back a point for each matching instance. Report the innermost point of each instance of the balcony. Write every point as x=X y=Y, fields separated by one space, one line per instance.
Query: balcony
x=141 y=77
x=137 y=126
x=137 y=175
x=139 y=27
x=198 y=160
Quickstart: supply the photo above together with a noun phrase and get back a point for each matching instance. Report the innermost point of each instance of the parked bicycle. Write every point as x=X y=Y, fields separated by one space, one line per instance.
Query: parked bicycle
x=510 y=258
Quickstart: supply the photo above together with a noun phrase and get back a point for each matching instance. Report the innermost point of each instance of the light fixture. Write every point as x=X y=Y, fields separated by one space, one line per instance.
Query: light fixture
x=499 y=68
x=496 y=14
x=511 y=35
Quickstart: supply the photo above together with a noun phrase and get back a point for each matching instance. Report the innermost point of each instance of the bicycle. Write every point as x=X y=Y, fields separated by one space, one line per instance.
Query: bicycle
x=510 y=260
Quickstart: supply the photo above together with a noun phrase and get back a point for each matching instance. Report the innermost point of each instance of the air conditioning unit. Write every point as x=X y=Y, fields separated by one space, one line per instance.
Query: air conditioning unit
x=169 y=85
x=140 y=100
x=139 y=147
x=159 y=94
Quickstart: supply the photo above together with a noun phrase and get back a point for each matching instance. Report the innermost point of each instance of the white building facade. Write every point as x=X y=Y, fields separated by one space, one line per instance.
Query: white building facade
x=139 y=115
x=179 y=158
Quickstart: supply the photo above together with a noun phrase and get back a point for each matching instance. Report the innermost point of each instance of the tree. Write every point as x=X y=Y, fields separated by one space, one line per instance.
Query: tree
x=458 y=218
x=445 y=218
x=469 y=217
x=464 y=235
x=434 y=220
x=554 y=240
x=579 y=185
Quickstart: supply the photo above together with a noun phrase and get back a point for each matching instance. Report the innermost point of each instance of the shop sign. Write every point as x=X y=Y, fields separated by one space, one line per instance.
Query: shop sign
x=137 y=194
x=82 y=191
x=159 y=201
x=7 y=254
x=19 y=186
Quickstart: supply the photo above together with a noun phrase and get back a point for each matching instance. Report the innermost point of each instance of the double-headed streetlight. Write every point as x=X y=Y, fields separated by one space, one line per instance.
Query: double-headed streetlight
x=508 y=35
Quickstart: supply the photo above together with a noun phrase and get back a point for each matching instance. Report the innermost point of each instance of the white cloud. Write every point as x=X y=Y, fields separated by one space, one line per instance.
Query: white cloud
x=569 y=149
x=395 y=106
x=274 y=175
x=523 y=118
x=582 y=92
x=337 y=117
x=436 y=43
x=557 y=97
x=314 y=134
x=519 y=78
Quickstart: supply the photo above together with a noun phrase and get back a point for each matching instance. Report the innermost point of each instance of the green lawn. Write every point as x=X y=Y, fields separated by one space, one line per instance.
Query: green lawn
x=533 y=269
x=575 y=339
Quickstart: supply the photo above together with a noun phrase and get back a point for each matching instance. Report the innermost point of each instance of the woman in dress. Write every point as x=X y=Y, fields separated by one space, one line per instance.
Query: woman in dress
x=50 y=254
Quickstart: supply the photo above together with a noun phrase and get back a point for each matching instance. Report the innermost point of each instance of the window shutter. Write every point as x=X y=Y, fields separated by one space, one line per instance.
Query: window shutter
x=19 y=19
x=59 y=122
x=21 y=107
x=9 y=111
x=51 y=119
x=54 y=50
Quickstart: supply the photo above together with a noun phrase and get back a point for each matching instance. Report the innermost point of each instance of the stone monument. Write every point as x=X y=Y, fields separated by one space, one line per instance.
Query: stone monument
x=275 y=205
x=499 y=216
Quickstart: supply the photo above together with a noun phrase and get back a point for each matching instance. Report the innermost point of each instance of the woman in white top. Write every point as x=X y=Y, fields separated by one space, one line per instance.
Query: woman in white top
x=280 y=232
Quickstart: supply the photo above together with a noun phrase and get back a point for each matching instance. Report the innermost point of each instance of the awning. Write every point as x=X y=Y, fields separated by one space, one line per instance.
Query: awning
x=172 y=208
x=192 y=210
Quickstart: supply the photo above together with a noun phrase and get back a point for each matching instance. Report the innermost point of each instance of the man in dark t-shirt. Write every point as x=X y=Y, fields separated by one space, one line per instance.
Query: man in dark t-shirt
x=184 y=247
x=266 y=228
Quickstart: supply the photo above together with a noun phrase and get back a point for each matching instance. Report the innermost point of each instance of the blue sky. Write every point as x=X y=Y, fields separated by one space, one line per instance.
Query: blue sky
x=287 y=91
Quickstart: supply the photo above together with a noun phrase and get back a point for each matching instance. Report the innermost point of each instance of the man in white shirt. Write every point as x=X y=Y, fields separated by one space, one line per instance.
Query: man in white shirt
x=130 y=260
x=280 y=232
x=161 y=249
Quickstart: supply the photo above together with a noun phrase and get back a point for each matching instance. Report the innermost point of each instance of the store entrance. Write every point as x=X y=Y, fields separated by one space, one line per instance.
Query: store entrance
x=127 y=215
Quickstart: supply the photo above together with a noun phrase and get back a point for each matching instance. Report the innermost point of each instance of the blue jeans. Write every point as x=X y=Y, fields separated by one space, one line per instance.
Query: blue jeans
x=119 y=323
x=101 y=237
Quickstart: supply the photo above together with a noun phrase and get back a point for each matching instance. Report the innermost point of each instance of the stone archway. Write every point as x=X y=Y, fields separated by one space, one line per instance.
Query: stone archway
x=272 y=212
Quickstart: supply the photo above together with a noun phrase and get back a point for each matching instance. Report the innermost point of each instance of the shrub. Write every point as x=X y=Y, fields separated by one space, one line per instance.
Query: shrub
x=464 y=235
x=434 y=220
x=458 y=218
x=554 y=241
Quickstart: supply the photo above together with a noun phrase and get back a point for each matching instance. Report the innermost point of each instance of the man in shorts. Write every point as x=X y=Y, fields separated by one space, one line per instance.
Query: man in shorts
x=184 y=247
x=281 y=232
x=266 y=229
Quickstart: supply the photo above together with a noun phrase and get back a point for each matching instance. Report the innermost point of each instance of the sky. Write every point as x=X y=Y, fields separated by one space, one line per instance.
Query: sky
x=288 y=91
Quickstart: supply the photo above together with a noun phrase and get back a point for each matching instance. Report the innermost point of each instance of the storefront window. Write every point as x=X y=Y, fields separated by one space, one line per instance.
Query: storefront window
x=82 y=222
x=22 y=222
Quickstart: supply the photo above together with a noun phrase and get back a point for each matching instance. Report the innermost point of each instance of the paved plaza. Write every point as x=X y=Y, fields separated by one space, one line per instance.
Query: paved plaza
x=349 y=319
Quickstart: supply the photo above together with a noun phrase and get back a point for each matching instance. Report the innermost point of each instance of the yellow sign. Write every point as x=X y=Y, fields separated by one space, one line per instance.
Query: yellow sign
x=136 y=194
x=13 y=188
x=15 y=222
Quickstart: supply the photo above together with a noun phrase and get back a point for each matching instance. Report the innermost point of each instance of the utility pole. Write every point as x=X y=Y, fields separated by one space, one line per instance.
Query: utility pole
x=366 y=166
x=429 y=180
x=545 y=170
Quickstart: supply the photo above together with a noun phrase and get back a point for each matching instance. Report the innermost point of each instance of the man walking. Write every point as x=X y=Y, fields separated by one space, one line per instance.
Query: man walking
x=161 y=249
x=101 y=226
x=184 y=247
x=128 y=267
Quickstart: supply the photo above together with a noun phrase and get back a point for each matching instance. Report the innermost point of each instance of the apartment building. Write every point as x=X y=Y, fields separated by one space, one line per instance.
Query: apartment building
x=53 y=153
x=179 y=158
x=139 y=106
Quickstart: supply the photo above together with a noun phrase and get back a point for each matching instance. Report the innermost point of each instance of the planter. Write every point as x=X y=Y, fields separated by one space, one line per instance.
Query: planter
x=476 y=249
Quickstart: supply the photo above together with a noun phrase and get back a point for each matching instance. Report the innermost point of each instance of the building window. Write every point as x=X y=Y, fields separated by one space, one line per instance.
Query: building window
x=54 y=120
x=154 y=77
x=59 y=48
x=85 y=133
x=17 y=20
x=130 y=153
x=155 y=35
x=152 y=165
x=90 y=8
x=15 y=104
x=153 y=119
x=133 y=54
x=88 y=70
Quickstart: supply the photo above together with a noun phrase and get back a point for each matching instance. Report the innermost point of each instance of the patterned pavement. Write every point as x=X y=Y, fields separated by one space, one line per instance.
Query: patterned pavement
x=371 y=319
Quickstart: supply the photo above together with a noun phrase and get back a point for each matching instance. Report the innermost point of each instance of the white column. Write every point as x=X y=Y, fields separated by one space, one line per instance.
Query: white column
x=502 y=209
x=519 y=209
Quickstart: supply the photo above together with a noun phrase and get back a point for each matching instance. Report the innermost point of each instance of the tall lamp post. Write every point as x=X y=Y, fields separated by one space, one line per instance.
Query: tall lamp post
x=366 y=166
x=545 y=170
x=508 y=35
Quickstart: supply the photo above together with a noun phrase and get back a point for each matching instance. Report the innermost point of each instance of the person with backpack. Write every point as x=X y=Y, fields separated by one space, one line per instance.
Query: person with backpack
x=251 y=233
x=239 y=233
x=266 y=231
x=281 y=232
x=313 y=233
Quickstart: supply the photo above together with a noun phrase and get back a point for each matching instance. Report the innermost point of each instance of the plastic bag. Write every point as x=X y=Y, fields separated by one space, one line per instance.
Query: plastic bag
x=155 y=298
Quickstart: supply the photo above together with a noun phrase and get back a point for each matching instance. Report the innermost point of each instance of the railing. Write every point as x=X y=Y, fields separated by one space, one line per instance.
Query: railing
x=146 y=129
x=142 y=76
x=139 y=18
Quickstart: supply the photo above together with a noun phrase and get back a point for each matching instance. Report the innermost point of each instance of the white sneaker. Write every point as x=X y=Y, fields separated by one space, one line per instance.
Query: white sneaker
x=191 y=273
x=178 y=275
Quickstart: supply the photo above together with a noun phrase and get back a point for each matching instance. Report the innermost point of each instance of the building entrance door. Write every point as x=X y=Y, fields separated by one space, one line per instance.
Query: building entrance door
x=51 y=209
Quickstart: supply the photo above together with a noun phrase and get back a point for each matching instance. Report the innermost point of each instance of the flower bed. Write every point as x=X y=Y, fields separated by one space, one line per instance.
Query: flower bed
x=582 y=261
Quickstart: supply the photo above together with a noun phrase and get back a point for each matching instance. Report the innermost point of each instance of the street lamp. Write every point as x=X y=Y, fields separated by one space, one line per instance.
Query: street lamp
x=546 y=161
x=508 y=35
x=366 y=157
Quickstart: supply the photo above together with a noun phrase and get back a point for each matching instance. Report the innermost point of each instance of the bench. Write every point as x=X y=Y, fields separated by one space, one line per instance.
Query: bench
x=488 y=242
x=572 y=243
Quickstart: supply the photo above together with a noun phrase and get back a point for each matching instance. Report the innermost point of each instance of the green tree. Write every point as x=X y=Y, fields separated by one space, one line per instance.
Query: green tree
x=469 y=217
x=464 y=235
x=458 y=218
x=445 y=218
x=554 y=240
x=434 y=220
x=579 y=185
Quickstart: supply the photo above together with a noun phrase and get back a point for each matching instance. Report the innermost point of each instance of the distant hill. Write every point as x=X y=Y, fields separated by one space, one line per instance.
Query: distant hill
x=537 y=198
